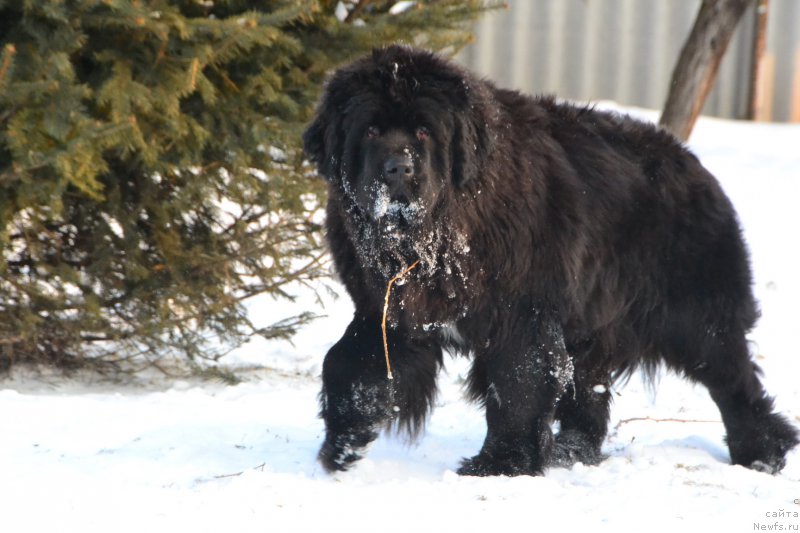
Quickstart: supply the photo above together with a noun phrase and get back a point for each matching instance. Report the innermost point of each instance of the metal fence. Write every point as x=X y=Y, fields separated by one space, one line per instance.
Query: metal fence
x=625 y=50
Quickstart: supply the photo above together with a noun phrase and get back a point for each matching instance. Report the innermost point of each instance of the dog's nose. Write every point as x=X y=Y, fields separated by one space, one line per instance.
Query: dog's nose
x=399 y=168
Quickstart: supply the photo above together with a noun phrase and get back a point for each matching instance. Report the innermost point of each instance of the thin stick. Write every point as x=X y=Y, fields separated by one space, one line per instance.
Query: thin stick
x=386 y=311
x=237 y=474
x=356 y=11
x=193 y=78
x=10 y=50
x=651 y=419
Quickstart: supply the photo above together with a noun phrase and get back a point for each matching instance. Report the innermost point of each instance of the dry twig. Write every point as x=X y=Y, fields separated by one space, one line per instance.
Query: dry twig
x=651 y=419
x=386 y=311
x=237 y=474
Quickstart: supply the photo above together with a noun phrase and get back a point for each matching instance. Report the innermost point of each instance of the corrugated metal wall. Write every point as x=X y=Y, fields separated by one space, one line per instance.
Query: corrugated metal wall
x=625 y=50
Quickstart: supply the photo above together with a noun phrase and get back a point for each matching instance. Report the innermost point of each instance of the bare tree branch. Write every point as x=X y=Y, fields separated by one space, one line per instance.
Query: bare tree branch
x=699 y=62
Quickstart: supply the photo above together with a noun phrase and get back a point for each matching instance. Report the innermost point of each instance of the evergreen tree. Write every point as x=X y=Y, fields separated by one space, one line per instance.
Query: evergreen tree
x=151 y=177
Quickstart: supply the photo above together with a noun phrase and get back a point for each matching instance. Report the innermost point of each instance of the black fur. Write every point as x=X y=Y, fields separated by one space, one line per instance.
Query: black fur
x=560 y=246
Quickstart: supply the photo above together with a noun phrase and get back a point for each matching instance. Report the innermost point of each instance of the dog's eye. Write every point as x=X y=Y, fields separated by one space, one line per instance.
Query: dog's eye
x=422 y=133
x=373 y=131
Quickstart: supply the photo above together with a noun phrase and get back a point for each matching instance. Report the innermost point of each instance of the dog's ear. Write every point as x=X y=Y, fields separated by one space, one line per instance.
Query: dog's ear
x=323 y=140
x=472 y=136
x=319 y=139
x=314 y=140
x=465 y=152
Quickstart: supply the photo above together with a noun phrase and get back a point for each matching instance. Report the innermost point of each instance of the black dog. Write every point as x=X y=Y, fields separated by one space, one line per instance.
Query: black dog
x=561 y=247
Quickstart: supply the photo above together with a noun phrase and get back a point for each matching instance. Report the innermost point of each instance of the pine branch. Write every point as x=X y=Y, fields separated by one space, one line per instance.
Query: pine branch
x=126 y=132
x=356 y=11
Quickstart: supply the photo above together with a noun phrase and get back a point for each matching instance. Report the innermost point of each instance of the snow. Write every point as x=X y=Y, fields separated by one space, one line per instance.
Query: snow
x=401 y=7
x=197 y=456
x=341 y=11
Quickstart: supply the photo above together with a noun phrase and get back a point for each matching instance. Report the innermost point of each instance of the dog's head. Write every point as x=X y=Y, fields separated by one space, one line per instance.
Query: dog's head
x=397 y=128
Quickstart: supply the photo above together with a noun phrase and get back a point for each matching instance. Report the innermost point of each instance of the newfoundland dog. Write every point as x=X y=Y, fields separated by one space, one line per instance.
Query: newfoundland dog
x=559 y=246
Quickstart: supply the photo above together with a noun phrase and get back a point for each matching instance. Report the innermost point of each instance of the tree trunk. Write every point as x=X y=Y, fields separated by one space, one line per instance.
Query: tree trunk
x=698 y=63
x=755 y=100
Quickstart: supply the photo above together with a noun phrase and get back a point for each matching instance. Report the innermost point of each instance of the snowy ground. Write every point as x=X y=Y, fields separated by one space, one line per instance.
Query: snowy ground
x=208 y=457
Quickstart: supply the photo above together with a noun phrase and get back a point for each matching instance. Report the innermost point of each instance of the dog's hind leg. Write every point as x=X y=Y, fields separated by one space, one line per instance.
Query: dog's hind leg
x=757 y=437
